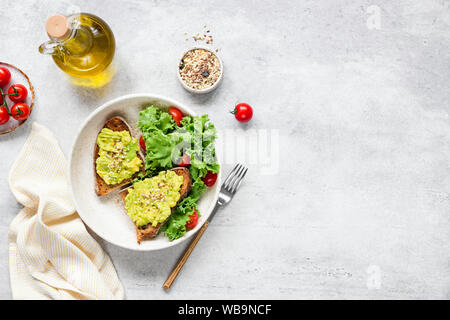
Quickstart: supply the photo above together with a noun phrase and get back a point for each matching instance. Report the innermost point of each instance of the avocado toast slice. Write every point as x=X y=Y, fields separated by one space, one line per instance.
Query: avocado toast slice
x=149 y=231
x=115 y=123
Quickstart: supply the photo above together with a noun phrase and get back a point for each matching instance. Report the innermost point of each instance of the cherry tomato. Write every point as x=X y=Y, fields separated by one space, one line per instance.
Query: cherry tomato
x=1 y=99
x=193 y=220
x=142 y=143
x=185 y=161
x=4 y=115
x=17 y=92
x=20 y=111
x=5 y=76
x=210 y=179
x=243 y=112
x=176 y=115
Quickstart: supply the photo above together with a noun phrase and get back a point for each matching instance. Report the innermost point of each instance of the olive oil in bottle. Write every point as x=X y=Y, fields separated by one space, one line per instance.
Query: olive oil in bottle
x=83 y=46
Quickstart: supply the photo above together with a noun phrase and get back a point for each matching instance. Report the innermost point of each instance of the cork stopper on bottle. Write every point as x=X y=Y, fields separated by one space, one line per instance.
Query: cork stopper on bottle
x=57 y=27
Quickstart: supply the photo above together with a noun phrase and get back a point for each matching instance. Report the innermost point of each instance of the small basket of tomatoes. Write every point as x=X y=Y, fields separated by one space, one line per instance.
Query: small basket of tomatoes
x=16 y=97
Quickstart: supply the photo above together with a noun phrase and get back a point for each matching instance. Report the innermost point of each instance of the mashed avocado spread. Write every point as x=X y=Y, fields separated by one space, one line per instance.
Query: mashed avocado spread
x=151 y=200
x=117 y=159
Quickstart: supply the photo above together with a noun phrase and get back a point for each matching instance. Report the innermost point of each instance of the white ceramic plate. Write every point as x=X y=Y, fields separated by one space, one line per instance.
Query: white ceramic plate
x=106 y=215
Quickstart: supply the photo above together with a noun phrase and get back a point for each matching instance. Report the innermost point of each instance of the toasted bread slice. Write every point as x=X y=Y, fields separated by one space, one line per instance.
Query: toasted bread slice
x=101 y=187
x=148 y=231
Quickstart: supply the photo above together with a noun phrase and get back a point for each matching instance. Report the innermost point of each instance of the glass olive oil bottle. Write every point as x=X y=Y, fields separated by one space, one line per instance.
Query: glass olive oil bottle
x=83 y=46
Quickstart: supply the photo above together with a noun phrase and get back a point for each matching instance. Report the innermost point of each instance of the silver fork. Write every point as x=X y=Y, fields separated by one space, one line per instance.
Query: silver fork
x=227 y=191
x=229 y=187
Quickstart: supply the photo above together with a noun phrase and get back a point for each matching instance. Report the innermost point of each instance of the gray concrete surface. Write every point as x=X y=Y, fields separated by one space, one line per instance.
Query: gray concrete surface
x=358 y=94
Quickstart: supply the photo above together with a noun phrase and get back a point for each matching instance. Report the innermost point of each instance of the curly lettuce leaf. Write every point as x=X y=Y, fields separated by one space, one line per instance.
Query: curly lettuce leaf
x=176 y=226
x=202 y=151
x=153 y=119
x=160 y=147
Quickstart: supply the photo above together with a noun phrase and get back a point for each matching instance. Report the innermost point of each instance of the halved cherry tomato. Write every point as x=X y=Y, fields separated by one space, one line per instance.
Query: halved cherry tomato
x=5 y=76
x=193 y=220
x=142 y=143
x=4 y=115
x=185 y=161
x=20 y=111
x=176 y=115
x=17 y=92
x=210 y=179
x=243 y=112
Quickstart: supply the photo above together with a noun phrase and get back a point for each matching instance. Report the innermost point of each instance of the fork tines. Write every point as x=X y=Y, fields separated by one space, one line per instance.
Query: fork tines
x=234 y=179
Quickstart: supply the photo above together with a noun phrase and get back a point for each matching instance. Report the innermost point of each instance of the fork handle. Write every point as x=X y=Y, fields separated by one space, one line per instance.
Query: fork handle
x=173 y=275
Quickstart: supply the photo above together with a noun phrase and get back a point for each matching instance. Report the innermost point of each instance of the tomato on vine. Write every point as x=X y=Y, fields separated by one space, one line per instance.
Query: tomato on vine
x=20 y=111
x=17 y=93
x=4 y=115
x=5 y=76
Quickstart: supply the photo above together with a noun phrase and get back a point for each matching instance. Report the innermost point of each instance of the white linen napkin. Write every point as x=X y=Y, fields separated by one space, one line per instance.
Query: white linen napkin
x=51 y=255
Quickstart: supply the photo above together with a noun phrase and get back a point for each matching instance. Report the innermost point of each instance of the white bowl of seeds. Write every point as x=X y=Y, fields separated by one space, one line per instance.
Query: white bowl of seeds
x=200 y=70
